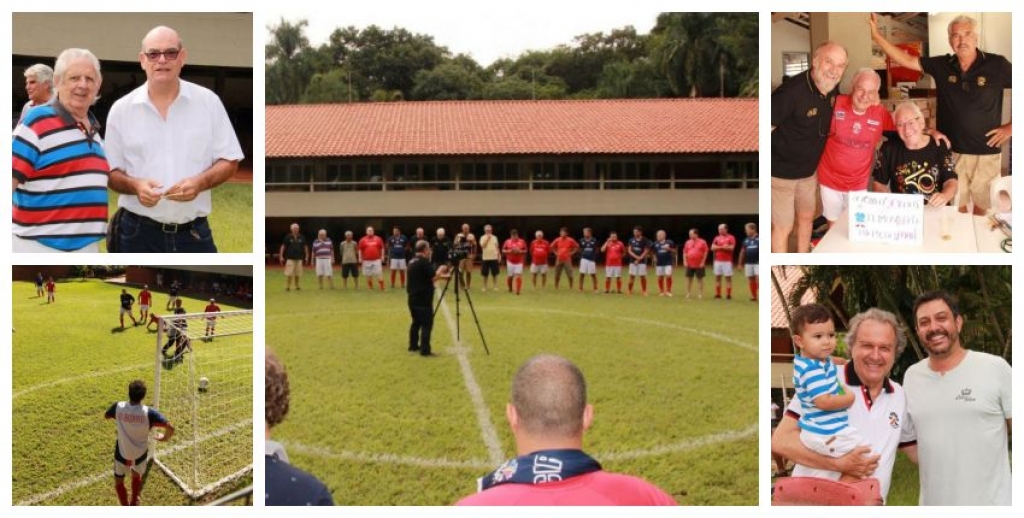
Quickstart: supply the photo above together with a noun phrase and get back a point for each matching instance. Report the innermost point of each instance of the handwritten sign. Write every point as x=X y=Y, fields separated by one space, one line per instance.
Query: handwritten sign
x=886 y=218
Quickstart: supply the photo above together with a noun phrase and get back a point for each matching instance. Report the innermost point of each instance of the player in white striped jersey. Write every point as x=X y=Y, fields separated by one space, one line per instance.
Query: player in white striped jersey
x=131 y=451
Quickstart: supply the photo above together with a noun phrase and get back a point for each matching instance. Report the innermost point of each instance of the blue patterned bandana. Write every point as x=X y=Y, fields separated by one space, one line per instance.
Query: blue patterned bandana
x=540 y=467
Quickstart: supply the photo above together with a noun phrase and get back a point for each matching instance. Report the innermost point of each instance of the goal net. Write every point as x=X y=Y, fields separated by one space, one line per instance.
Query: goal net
x=204 y=388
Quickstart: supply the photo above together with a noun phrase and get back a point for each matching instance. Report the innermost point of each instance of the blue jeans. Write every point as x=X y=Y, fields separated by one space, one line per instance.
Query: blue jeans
x=143 y=235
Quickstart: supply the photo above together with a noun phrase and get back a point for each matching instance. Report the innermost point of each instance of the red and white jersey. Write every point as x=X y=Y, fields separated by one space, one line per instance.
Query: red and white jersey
x=726 y=240
x=145 y=298
x=850 y=149
x=515 y=250
x=211 y=308
x=614 y=253
x=596 y=488
x=371 y=248
x=51 y=287
x=539 y=251
x=133 y=424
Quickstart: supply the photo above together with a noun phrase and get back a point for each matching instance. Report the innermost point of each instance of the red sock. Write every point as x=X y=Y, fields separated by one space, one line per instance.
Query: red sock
x=631 y=281
x=369 y=282
x=381 y=283
x=643 y=284
x=136 y=488
x=509 y=282
x=393 y=272
x=122 y=493
x=618 y=284
x=753 y=288
x=607 y=284
x=718 y=290
x=668 y=283
x=519 y=284
x=661 y=284
x=728 y=291
x=403 y=277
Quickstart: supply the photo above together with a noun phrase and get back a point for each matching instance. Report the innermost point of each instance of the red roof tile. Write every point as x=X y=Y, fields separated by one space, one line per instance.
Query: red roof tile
x=624 y=126
x=788 y=277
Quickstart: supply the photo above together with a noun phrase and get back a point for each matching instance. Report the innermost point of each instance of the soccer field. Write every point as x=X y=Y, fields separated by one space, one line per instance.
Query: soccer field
x=673 y=383
x=71 y=361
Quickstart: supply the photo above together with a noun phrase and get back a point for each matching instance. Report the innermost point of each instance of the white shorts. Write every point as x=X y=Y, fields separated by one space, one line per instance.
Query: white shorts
x=324 y=267
x=613 y=271
x=832 y=446
x=123 y=311
x=664 y=270
x=397 y=264
x=752 y=270
x=120 y=469
x=514 y=269
x=638 y=269
x=588 y=267
x=143 y=307
x=372 y=268
x=211 y=322
x=833 y=203
x=723 y=268
x=539 y=268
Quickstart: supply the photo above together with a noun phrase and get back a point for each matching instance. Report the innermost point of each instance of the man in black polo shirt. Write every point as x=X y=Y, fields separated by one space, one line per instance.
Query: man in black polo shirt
x=970 y=86
x=801 y=122
x=422 y=275
x=294 y=253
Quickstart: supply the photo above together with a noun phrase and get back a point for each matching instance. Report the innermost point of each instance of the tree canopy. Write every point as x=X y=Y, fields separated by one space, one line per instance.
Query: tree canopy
x=683 y=55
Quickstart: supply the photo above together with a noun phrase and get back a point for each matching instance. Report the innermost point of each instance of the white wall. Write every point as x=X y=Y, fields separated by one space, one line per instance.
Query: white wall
x=787 y=37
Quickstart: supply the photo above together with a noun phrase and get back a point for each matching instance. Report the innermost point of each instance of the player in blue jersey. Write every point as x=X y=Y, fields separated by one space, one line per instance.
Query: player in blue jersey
x=588 y=257
x=639 y=249
x=134 y=420
x=665 y=254
x=398 y=245
x=824 y=422
x=749 y=259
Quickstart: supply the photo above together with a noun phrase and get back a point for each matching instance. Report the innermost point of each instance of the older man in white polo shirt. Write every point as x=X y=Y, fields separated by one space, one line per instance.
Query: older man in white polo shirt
x=169 y=142
x=879 y=411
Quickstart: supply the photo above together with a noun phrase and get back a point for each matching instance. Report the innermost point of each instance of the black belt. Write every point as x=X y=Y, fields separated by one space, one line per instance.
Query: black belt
x=166 y=228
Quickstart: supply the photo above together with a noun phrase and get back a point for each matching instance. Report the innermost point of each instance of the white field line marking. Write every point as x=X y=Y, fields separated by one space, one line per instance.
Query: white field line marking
x=385 y=458
x=388 y=458
x=92 y=479
x=54 y=383
x=710 y=334
x=483 y=416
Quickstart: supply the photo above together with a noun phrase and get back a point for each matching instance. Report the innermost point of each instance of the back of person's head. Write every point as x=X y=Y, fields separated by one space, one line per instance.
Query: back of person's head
x=136 y=391
x=809 y=314
x=277 y=392
x=550 y=395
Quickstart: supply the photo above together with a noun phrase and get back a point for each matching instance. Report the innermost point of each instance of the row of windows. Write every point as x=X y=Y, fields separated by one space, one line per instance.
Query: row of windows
x=598 y=175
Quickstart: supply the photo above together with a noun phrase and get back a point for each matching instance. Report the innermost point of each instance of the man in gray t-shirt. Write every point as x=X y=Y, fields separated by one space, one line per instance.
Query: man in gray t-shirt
x=349 y=260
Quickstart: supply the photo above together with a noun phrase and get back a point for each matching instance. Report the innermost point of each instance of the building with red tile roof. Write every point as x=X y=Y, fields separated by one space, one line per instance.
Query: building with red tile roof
x=525 y=164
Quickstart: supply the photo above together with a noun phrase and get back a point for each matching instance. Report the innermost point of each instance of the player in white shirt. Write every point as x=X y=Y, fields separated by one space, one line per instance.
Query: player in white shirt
x=131 y=450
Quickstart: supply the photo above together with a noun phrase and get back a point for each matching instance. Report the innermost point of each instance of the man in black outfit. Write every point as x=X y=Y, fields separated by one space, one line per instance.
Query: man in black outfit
x=440 y=246
x=422 y=274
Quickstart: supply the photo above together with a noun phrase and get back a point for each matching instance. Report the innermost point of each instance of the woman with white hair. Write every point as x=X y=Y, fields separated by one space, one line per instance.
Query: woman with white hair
x=59 y=167
x=916 y=163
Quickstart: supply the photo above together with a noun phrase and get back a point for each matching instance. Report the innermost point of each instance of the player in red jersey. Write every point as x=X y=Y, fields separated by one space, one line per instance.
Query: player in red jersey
x=145 y=300
x=211 y=320
x=723 y=245
x=371 y=254
x=564 y=247
x=695 y=254
x=613 y=250
x=51 y=291
x=514 y=249
x=540 y=249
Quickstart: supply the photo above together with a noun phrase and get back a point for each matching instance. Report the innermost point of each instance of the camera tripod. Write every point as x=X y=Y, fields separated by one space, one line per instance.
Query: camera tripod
x=456 y=274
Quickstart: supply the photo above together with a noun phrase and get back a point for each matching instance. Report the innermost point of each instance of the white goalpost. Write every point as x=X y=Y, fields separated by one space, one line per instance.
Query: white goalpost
x=203 y=385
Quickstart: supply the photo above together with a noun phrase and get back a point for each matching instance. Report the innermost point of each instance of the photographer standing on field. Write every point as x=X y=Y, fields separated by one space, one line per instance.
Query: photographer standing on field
x=422 y=274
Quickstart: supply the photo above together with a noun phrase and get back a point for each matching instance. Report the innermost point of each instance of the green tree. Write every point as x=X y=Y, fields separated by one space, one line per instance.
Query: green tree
x=330 y=87
x=447 y=81
x=705 y=54
x=287 y=62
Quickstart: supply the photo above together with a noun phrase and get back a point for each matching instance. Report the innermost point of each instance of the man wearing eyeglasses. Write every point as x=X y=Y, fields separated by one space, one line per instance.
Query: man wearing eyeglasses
x=970 y=86
x=915 y=163
x=801 y=123
x=169 y=143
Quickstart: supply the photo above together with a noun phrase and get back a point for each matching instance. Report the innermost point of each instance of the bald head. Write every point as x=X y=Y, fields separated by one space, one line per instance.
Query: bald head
x=162 y=35
x=550 y=396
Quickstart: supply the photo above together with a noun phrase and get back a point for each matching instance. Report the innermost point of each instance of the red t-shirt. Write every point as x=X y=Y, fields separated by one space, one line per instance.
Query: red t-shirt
x=371 y=248
x=597 y=488
x=50 y=286
x=145 y=297
x=726 y=240
x=539 y=251
x=613 y=254
x=695 y=251
x=211 y=308
x=515 y=250
x=564 y=247
x=850 y=151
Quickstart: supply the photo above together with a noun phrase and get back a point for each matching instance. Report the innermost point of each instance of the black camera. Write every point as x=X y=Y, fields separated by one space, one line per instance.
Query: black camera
x=457 y=254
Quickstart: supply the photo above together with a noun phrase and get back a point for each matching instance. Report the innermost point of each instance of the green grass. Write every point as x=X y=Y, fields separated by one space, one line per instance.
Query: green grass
x=667 y=378
x=71 y=361
x=230 y=221
x=905 y=487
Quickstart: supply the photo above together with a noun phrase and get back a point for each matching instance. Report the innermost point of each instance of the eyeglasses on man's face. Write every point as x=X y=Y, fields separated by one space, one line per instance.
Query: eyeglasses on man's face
x=904 y=124
x=169 y=54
